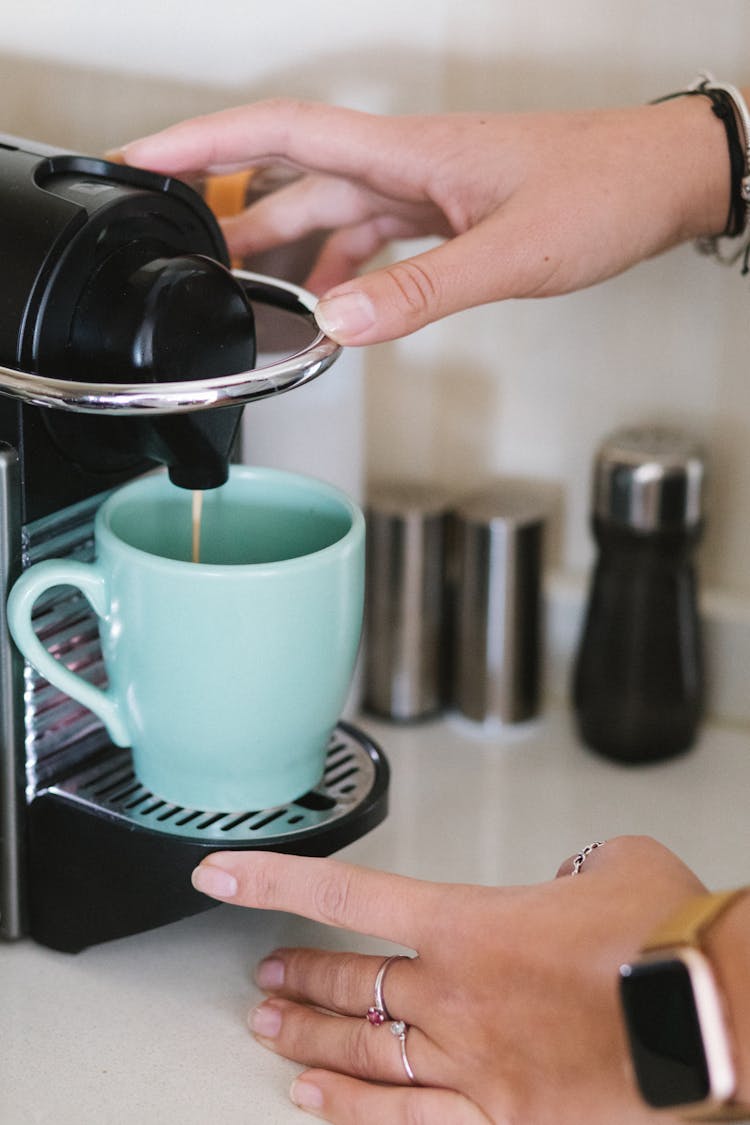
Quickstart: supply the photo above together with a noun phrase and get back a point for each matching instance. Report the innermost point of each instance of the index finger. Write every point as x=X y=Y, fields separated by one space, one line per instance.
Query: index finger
x=308 y=135
x=376 y=903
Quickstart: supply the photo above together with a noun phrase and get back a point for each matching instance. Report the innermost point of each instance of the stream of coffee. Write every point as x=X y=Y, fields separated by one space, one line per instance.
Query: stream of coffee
x=197 y=514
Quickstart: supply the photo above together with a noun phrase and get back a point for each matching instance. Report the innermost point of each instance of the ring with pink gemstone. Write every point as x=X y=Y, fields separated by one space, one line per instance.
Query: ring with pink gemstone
x=377 y=1014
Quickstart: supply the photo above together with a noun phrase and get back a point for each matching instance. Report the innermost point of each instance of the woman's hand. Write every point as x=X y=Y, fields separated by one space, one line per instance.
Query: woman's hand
x=511 y=1000
x=528 y=205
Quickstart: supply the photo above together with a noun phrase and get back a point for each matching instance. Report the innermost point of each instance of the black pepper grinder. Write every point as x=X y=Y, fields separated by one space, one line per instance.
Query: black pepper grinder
x=638 y=682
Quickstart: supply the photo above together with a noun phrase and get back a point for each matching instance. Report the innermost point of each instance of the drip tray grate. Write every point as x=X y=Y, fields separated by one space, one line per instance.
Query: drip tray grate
x=352 y=766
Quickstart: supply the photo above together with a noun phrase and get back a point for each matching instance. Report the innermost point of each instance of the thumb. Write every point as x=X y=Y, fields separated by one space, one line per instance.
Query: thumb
x=400 y=298
x=505 y=256
x=490 y=261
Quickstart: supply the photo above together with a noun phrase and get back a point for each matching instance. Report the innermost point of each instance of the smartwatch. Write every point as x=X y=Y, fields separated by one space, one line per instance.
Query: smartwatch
x=680 y=1043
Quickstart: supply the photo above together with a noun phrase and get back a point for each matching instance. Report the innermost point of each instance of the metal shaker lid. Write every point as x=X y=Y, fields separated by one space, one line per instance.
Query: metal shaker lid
x=516 y=502
x=401 y=499
x=650 y=479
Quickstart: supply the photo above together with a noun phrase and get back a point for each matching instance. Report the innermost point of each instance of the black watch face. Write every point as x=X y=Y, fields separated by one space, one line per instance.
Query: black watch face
x=665 y=1037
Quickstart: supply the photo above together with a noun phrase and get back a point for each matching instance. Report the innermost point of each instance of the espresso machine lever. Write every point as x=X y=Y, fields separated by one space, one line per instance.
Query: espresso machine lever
x=117 y=301
x=189 y=424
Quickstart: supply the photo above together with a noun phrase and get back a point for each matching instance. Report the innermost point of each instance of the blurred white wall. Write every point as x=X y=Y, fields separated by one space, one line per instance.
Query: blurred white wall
x=524 y=387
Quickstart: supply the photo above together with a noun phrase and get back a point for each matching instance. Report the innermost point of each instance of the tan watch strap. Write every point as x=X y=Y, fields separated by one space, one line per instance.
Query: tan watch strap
x=721 y=1113
x=687 y=925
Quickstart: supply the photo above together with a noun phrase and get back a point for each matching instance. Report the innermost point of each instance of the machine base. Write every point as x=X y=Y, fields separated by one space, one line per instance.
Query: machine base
x=108 y=859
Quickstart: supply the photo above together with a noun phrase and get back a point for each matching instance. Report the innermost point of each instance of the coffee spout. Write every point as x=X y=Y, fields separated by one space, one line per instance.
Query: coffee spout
x=195 y=447
x=145 y=317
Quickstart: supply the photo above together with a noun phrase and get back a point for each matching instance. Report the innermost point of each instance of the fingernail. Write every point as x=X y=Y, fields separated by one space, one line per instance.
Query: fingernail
x=270 y=973
x=305 y=1095
x=265 y=1021
x=345 y=317
x=214 y=882
x=115 y=155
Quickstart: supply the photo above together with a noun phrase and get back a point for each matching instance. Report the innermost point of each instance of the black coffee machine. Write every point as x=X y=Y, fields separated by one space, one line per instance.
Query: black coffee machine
x=125 y=342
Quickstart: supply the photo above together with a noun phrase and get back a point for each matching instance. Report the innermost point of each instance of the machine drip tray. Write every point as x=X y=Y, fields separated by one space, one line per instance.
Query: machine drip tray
x=355 y=775
x=108 y=858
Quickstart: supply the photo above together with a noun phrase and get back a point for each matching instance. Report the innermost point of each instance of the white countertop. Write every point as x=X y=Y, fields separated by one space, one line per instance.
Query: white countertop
x=152 y=1029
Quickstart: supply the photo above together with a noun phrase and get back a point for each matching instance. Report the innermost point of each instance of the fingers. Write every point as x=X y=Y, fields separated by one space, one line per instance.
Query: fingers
x=374 y=181
x=304 y=134
x=311 y=203
x=342 y=256
x=339 y=894
x=349 y=1101
x=342 y=983
x=316 y=202
x=344 y=1043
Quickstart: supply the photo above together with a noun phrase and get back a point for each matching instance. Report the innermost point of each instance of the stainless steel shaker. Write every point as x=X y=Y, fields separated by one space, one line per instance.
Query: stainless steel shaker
x=406 y=618
x=499 y=539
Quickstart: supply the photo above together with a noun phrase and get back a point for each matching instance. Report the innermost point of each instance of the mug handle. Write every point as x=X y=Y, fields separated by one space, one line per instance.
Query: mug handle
x=89 y=579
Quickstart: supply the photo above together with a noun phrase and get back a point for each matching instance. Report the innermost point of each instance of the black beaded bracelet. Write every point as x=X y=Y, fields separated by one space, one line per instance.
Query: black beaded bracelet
x=729 y=106
x=723 y=106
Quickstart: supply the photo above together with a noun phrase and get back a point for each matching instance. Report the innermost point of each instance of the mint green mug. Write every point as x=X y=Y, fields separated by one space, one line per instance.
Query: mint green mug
x=226 y=676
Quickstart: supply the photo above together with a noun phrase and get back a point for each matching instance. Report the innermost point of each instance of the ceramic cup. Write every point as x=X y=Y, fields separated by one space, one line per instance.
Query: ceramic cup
x=226 y=676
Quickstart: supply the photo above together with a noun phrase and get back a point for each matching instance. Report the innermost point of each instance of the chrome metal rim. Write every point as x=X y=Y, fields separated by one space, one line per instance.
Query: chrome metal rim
x=196 y=394
x=109 y=786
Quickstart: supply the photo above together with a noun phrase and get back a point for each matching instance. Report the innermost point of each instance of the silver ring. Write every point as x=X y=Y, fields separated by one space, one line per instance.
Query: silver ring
x=400 y=1030
x=579 y=859
x=378 y=1013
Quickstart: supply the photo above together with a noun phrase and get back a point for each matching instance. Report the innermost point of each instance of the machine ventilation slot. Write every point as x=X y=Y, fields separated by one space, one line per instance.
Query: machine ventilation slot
x=315 y=801
x=110 y=786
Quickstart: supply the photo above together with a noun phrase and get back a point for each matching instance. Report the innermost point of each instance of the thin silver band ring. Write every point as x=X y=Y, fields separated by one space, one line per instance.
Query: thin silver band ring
x=401 y=1030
